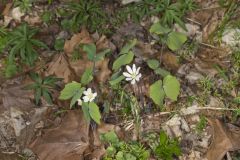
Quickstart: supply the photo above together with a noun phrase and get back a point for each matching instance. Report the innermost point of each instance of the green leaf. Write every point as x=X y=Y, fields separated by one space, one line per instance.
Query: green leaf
x=47 y=96
x=117 y=80
x=59 y=44
x=161 y=72
x=175 y=40
x=37 y=95
x=100 y=56
x=76 y=97
x=157 y=93
x=153 y=63
x=120 y=156
x=69 y=90
x=36 y=78
x=87 y=76
x=94 y=112
x=163 y=138
x=91 y=51
x=159 y=29
x=128 y=46
x=123 y=60
x=110 y=137
x=85 y=109
x=171 y=87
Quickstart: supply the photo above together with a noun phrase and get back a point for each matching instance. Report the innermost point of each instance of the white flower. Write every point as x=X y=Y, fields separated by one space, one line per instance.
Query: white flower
x=133 y=74
x=89 y=95
x=79 y=102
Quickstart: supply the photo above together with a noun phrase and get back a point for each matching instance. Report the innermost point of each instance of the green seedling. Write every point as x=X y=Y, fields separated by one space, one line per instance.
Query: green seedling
x=42 y=87
x=23 y=45
x=120 y=150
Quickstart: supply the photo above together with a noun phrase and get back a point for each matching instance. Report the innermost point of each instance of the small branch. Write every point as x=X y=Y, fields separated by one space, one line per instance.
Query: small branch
x=216 y=108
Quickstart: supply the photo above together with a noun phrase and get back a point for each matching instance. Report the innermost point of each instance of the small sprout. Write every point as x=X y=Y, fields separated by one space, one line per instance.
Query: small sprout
x=133 y=74
x=89 y=95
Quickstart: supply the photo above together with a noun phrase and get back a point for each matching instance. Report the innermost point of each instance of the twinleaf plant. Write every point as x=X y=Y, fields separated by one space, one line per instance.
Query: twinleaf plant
x=120 y=150
x=23 y=44
x=168 y=87
x=126 y=56
x=42 y=87
x=174 y=40
x=74 y=91
x=92 y=54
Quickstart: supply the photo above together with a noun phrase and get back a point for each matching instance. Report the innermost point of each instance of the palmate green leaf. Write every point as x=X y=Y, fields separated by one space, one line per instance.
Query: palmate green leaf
x=47 y=95
x=87 y=76
x=157 y=93
x=94 y=112
x=37 y=95
x=38 y=43
x=90 y=49
x=153 y=63
x=51 y=80
x=123 y=60
x=128 y=46
x=175 y=40
x=70 y=90
x=171 y=87
x=36 y=78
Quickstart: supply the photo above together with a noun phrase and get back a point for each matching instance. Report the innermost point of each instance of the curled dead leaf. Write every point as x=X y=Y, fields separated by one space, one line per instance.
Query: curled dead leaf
x=80 y=38
x=226 y=137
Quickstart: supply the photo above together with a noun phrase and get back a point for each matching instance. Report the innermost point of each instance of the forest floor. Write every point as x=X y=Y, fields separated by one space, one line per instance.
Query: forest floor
x=119 y=79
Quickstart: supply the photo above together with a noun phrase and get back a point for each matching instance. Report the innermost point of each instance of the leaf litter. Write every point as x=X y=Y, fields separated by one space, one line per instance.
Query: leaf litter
x=68 y=136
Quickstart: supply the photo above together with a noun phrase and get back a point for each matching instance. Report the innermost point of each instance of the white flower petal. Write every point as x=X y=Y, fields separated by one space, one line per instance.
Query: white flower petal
x=129 y=69
x=85 y=93
x=86 y=99
x=133 y=81
x=127 y=74
x=128 y=79
x=138 y=77
x=138 y=69
x=134 y=68
x=89 y=90
x=95 y=95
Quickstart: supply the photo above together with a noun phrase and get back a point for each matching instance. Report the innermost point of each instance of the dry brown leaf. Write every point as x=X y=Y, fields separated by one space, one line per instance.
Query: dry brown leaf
x=69 y=141
x=144 y=50
x=104 y=43
x=101 y=67
x=61 y=68
x=226 y=137
x=7 y=9
x=80 y=38
x=170 y=61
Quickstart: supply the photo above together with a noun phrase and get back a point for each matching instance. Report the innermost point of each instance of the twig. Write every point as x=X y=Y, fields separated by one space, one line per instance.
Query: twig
x=191 y=20
x=216 y=108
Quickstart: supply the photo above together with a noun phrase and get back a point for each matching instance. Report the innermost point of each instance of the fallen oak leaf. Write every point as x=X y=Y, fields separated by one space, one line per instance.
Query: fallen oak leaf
x=61 y=68
x=226 y=137
x=80 y=38
x=68 y=141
